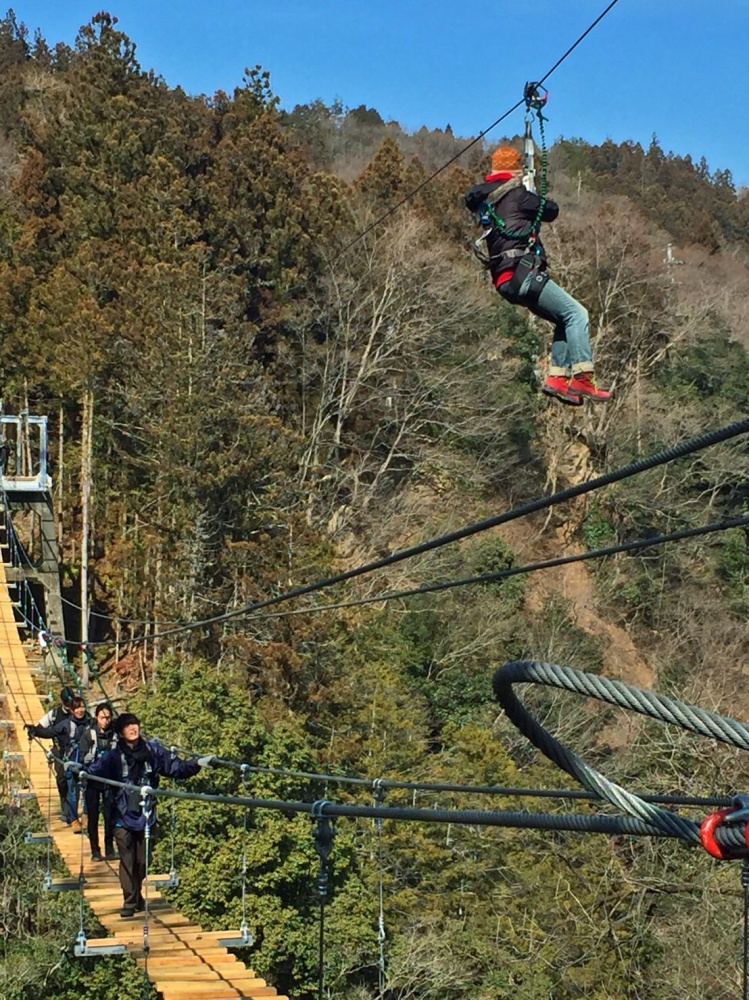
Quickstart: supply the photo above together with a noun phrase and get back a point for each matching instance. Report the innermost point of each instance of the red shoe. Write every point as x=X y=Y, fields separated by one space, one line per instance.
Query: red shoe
x=558 y=386
x=584 y=384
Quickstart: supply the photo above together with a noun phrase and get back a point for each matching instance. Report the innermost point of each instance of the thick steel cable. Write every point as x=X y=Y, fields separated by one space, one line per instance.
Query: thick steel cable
x=681 y=450
x=655 y=706
x=503 y=574
x=725 y=836
x=441 y=585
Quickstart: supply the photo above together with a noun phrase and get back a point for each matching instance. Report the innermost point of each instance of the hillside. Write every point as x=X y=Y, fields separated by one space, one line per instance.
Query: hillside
x=275 y=377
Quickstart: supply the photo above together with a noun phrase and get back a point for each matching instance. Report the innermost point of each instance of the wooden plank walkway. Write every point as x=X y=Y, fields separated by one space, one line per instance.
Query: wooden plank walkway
x=184 y=961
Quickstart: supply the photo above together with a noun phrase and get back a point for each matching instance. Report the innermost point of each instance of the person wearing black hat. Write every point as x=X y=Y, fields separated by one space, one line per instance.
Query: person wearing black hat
x=139 y=762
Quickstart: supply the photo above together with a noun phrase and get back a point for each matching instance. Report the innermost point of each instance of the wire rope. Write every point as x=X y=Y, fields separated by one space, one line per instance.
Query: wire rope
x=520 y=819
x=244 y=927
x=636 y=467
x=498 y=575
x=381 y=784
x=146 y=803
x=378 y=793
x=504 y=574
x=434 y=787
x=655 y=706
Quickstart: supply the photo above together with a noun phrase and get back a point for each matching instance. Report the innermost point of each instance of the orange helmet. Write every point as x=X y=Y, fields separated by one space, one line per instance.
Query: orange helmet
x=505 y=158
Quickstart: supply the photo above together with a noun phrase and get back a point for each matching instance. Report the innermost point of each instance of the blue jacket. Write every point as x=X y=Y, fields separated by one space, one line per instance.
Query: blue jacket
x=114 y=764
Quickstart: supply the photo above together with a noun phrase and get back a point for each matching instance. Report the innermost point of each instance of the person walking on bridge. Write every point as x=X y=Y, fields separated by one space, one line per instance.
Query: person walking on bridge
x=99 y=738
x=135 y=761
x=67 y=734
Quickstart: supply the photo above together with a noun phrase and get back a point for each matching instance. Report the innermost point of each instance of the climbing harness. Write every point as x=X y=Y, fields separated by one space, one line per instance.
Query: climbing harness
x=527 y=273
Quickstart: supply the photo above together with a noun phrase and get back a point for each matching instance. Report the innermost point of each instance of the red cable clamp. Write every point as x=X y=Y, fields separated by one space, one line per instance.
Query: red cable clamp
x=711 y=823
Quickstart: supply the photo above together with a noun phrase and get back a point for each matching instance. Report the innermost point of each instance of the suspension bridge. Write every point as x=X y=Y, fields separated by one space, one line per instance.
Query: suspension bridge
x=180 y=958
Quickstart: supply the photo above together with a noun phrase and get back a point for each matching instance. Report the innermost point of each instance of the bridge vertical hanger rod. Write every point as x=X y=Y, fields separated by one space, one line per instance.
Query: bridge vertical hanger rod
x=245 y=939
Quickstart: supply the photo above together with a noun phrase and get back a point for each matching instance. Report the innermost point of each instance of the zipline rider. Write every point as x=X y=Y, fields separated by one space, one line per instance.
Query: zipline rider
x=511 y=218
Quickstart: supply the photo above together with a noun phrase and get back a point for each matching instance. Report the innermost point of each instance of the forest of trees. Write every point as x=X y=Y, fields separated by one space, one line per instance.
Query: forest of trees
x=280 y=379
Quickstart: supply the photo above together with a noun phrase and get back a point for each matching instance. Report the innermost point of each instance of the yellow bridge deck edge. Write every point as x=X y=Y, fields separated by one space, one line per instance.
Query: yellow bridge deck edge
x=184 y=961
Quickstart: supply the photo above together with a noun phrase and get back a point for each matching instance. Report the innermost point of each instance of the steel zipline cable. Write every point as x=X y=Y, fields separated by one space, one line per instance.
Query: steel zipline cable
x=406 y=198
x=498 y=575
x=504 y=574
x=634 y=468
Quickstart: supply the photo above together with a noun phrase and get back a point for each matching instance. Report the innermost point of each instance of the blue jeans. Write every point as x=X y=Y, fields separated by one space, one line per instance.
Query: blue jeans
x=570 y=349
x=71 y=803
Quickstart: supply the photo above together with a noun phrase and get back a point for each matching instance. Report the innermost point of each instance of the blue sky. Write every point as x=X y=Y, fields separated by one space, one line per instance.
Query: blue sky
x=676 y=68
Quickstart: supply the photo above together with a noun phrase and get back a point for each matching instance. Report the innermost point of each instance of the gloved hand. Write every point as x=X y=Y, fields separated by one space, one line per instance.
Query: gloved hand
x=207 y=760
x=74 y=766
x=30 y=730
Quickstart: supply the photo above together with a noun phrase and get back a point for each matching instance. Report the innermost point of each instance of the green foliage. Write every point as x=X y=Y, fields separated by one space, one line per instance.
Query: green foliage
x=733 y=565
x=715 y=369
x=678 y=195
x=39 y=928
x=597 y=531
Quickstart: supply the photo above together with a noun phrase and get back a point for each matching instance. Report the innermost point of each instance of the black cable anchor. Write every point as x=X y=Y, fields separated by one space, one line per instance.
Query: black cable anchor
x=323 y=837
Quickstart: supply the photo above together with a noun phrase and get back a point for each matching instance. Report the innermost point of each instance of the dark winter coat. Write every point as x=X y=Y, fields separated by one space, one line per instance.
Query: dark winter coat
x=142 y=764
x=67 y=733
x=95 y=742
x=517 y=208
